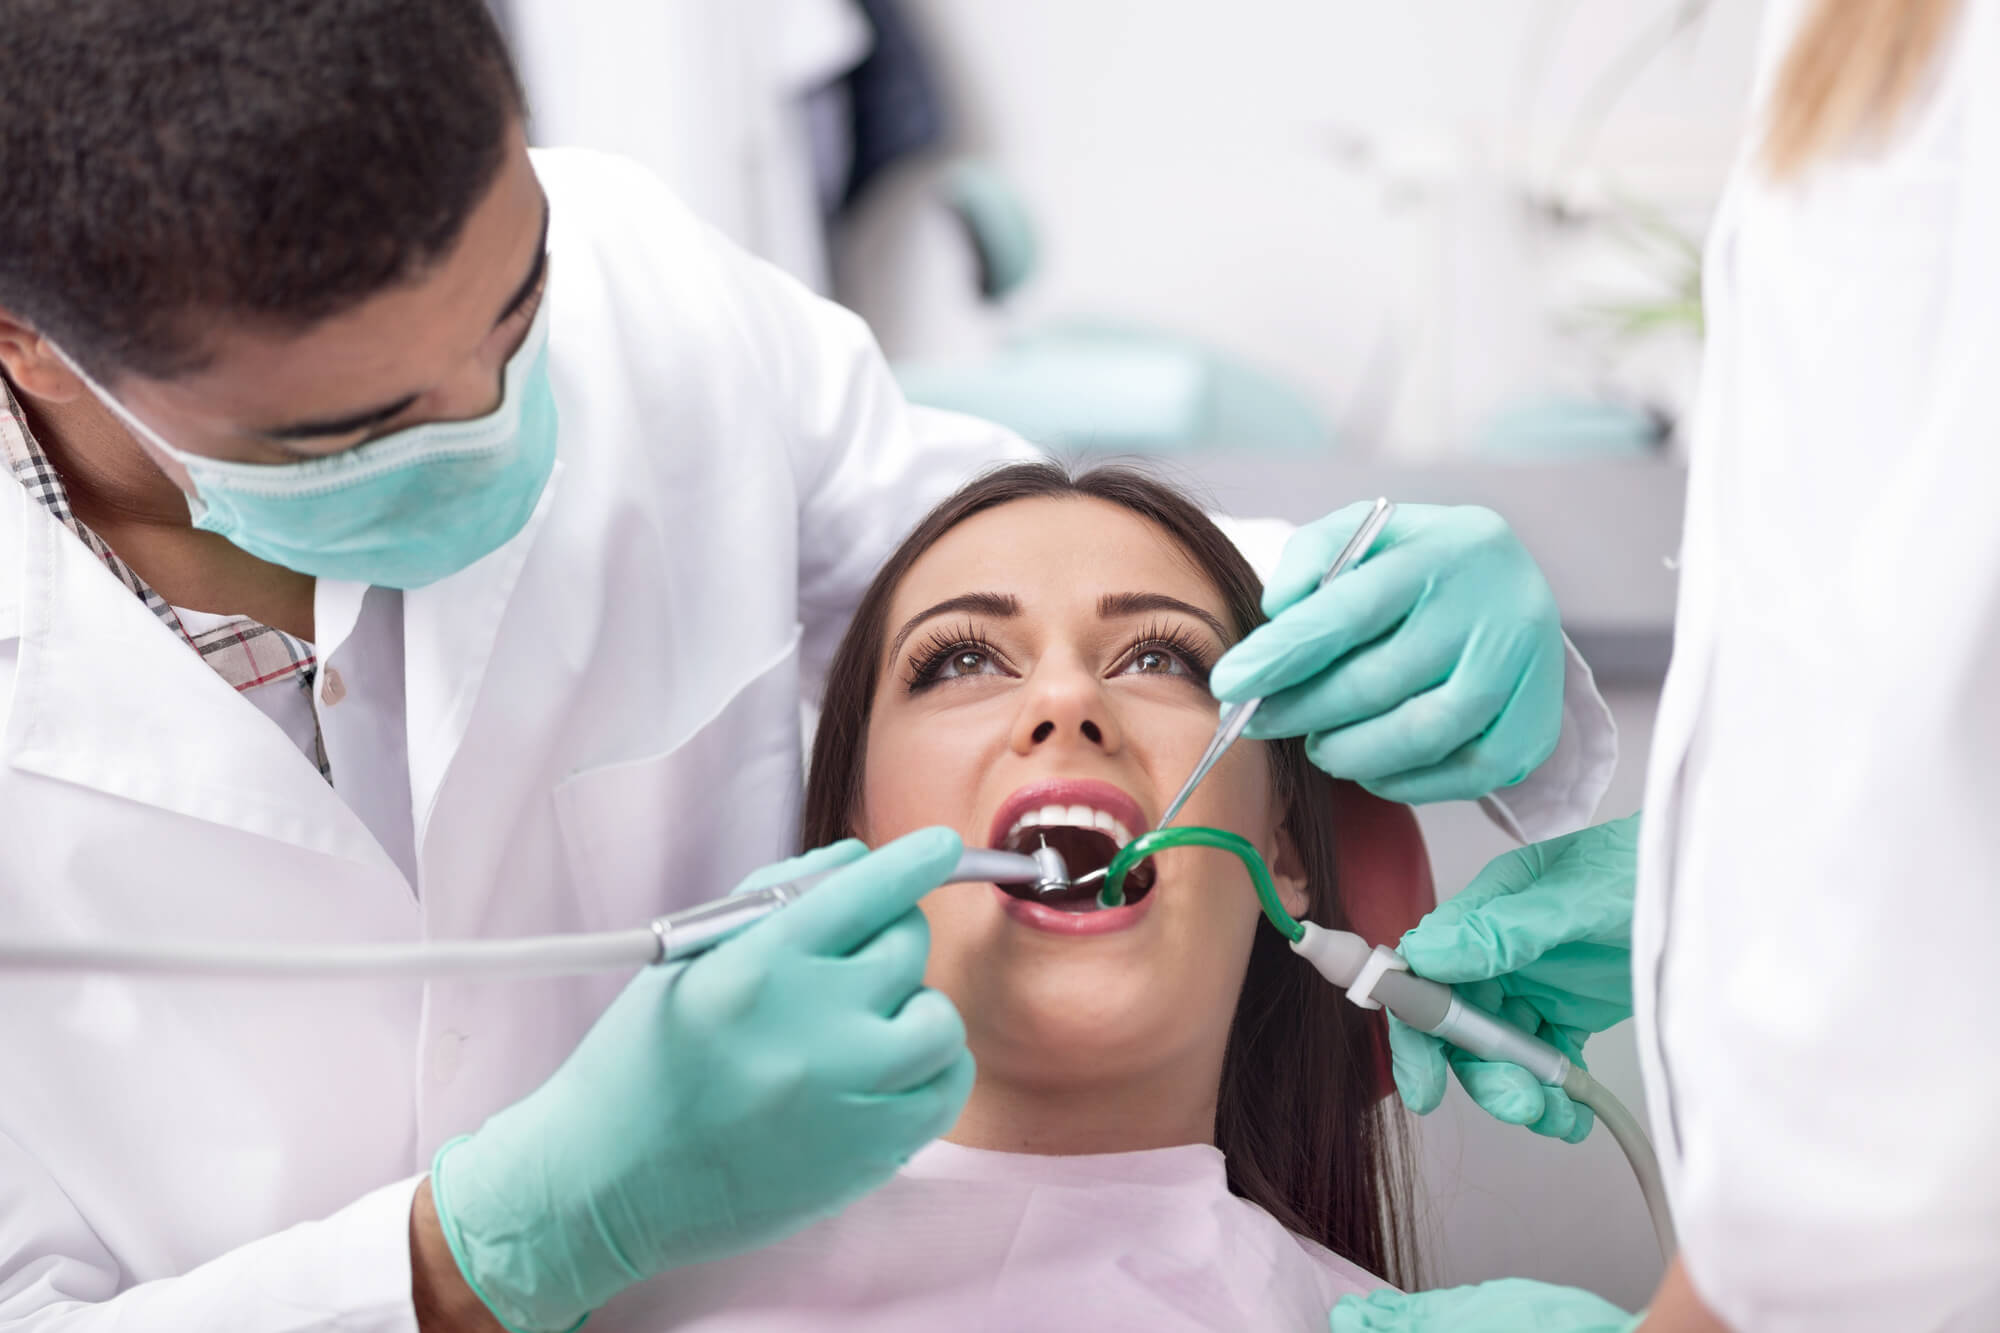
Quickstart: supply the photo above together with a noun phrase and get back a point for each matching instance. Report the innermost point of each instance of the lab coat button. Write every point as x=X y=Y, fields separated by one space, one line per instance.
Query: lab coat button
x=332 y=689
x=447 y=1053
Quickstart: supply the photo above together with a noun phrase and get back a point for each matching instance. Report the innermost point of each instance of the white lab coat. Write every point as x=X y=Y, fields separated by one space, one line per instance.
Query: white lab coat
x=1819 y=899
x=603 y=724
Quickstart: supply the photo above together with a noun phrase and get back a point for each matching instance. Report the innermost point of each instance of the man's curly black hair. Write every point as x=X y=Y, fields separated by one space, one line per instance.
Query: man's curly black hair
x=169 y=162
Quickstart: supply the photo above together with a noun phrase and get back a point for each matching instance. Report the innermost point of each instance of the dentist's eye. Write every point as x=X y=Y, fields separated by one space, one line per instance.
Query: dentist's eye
x=953 y=655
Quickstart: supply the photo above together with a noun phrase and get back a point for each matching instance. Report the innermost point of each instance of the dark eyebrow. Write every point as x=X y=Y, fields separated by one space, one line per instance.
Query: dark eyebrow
x=306 y=430
x=999 y=605
x=375 y=416
x=1115 y=604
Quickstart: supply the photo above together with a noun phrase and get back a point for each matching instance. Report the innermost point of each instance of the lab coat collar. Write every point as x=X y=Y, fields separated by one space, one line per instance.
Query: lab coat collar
x=107 y=698
x=449 y=629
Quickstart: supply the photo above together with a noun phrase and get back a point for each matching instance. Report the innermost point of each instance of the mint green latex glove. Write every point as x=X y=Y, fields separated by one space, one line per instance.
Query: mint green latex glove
x=1511 y=1305
x=1542 y=937
x=720 y=1104
x=1431 y=671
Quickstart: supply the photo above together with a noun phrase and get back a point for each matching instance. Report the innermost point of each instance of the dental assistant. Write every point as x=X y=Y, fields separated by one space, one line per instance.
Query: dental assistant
x=1810 y=948
x=410 y=537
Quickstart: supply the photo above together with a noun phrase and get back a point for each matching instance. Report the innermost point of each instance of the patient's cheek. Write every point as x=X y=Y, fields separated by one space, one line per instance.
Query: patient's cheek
x=915 y=778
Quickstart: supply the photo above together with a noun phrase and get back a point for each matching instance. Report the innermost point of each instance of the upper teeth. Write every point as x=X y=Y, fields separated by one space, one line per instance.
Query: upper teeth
x=1072 y=816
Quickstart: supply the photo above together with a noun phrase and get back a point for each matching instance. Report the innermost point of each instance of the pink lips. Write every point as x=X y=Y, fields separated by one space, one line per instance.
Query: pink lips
x=1070 y=791
x=1101 y=922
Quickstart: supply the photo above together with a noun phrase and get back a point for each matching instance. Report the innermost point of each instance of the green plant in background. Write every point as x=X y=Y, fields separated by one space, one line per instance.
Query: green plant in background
x=1671 y=257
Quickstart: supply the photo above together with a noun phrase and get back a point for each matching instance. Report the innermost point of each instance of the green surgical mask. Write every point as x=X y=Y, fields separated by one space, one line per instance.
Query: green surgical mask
x=399 y=511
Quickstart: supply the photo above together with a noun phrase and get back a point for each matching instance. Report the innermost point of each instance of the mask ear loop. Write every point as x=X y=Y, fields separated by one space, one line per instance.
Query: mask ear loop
x=111 y=403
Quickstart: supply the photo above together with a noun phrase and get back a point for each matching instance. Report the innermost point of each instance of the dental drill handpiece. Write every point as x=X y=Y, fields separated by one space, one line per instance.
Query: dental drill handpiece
x=696 y=930
x=1235 y=717
x=670 y=938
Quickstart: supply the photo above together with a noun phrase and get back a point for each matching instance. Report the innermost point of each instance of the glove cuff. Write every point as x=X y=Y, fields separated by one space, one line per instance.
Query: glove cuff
x=482 y=1264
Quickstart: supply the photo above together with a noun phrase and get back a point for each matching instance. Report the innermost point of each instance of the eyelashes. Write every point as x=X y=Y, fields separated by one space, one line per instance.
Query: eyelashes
x=934 y=656
x=1163 y=636
x=940 y=647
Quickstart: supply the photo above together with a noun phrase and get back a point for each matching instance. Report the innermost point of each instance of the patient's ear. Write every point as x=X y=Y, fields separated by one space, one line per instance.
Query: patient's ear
x=1288 y=872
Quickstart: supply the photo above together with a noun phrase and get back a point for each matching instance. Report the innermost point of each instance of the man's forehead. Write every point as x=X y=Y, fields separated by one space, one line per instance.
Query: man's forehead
x=260 y=375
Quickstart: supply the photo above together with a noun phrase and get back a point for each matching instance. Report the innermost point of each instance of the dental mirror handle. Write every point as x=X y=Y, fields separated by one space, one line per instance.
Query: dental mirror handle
x=1235 y=717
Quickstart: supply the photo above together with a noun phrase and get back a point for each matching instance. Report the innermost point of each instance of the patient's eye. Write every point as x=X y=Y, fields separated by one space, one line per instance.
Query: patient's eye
x=1167 y=651
x=967 y=662
x=954 y=655
x=1157 y=662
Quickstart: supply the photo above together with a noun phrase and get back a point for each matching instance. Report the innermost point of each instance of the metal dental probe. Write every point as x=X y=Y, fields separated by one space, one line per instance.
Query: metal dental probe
x=1235 y=717
x=667 y=939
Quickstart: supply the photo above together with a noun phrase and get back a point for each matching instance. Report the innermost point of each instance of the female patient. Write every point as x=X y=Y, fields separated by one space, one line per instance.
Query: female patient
x=1175 y=1124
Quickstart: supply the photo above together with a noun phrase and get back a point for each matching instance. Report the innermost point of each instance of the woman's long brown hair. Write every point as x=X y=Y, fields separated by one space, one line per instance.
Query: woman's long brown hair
x=1301 y=1120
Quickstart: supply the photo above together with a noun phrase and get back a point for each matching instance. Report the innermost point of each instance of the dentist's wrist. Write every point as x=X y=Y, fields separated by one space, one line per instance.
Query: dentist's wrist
x=445 y=1302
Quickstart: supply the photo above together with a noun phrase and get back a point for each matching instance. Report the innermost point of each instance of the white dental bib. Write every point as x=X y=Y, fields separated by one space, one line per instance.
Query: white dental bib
x=966 y=1240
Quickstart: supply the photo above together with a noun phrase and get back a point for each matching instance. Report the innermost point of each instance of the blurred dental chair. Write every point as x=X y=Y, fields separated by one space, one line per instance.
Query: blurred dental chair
x=1382 y=862
x=1385 y=876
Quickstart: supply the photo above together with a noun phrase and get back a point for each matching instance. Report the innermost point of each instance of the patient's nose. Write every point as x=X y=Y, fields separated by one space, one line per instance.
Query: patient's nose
x=1063 y=709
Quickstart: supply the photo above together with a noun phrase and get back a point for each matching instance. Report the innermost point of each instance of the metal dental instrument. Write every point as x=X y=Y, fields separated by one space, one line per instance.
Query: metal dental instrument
x=1235 y=717
x=671 y=938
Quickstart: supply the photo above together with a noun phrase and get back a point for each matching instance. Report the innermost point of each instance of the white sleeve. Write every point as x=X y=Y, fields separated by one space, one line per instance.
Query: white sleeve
x=1562 y=795
x=350 y=1271
x=868 y=464
x=1558 y=797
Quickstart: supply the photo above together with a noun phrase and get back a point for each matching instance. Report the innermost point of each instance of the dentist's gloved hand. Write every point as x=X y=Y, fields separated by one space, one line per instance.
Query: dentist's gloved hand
x=1431 y=671
x=1542 y=937
x=720 y=1104
x=1511 y=1305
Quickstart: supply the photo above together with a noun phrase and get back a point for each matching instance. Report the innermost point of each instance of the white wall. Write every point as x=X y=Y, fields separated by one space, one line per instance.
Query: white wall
x=1331 y=189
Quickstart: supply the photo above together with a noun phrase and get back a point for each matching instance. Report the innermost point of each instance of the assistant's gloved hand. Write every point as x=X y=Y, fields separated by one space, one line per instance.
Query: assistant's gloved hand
x=1431 y=671
x=1542 y=937
x=1511 y=1305
x=720 y=1104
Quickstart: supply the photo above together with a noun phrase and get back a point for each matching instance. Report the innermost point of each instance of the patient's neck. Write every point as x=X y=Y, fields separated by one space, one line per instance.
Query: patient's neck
x=1161 y=1109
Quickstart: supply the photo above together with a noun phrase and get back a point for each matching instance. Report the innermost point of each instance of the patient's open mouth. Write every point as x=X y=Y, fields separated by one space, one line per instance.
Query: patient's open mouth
x=1087 y=839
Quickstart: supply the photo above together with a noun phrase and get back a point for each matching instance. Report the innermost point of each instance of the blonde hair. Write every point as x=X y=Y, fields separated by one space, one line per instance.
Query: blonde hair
x=1853 y=69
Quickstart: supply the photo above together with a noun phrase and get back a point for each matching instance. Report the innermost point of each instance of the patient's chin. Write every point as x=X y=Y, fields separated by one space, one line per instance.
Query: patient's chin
x=1074 y=1030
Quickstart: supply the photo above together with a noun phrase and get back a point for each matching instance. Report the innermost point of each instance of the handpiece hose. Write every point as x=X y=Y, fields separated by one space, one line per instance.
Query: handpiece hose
x=671 y=938
x=1379 y=978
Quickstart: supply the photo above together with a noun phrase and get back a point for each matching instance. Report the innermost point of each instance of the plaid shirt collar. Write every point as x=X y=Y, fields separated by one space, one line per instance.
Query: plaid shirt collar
x=240 y=650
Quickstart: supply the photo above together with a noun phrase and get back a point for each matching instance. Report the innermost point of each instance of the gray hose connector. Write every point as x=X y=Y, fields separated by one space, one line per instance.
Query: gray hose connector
x=1379 y=978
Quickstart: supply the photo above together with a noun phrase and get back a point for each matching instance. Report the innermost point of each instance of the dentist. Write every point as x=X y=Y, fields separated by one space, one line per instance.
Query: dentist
x=1817 y=880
